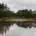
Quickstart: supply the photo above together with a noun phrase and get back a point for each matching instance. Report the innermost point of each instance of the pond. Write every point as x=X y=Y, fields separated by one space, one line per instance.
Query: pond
x=15 y=30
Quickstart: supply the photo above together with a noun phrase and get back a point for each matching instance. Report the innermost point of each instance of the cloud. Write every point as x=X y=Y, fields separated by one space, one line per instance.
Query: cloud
x=15 y=5
x=12 y=7
x=20 y=1
x=0 y=1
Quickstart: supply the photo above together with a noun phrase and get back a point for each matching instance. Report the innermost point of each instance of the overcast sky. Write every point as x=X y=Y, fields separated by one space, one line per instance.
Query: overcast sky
x=20 y=4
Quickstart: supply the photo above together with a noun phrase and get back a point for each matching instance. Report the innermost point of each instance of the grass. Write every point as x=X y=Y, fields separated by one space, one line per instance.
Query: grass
x=19 y=20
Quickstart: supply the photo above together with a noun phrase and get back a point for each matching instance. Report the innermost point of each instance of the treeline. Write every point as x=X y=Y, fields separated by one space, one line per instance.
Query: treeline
x=5 y=12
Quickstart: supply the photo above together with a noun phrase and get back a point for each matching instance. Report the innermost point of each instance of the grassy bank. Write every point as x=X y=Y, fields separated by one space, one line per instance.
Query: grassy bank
x=19 y=20
x=16 y=19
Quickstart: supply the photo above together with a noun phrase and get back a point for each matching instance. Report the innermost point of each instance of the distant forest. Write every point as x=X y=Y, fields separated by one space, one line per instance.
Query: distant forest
x=5 y=12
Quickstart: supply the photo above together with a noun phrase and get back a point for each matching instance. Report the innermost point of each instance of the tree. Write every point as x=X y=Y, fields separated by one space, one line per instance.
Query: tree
x=25 y=13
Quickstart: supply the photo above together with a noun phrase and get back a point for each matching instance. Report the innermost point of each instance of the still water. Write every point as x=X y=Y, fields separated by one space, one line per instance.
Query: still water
x=15 y=30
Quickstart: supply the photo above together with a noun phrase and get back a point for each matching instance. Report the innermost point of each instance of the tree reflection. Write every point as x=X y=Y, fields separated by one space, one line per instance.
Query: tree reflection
x=3 y=27
x=24 y=24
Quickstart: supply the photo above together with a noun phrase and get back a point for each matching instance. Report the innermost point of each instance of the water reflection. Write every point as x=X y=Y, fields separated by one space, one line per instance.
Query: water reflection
x=19 y=31
x=6 y=27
